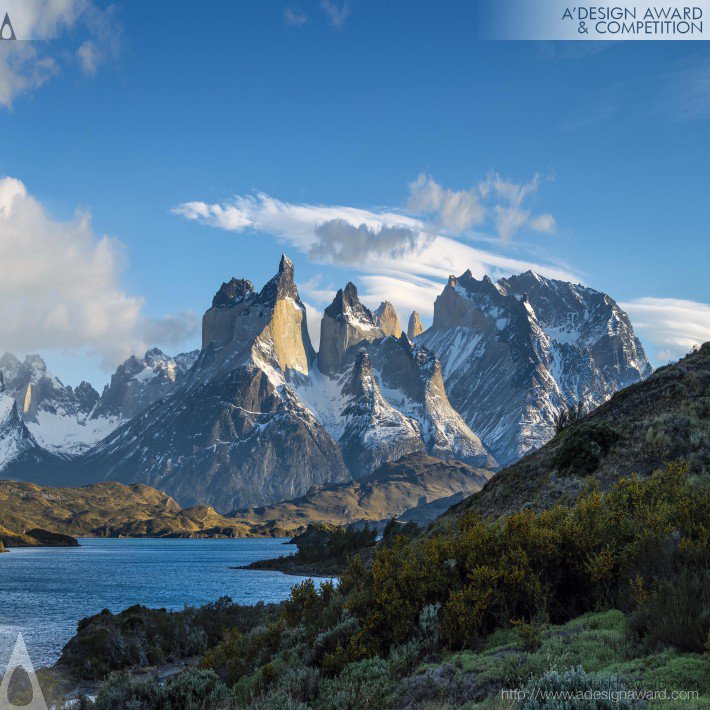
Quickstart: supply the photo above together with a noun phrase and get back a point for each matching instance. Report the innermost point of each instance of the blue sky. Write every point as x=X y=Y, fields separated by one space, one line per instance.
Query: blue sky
x=599 y=155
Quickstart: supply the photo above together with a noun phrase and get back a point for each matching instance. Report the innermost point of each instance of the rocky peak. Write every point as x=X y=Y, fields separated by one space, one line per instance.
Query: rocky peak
x=280 y=286
x=139 y=382
x=472 y=303
x=346 y=306
x=9 y=364
x=345 y=323
x=516 y=352
x=386 y=318
x=2 y=383
x=414 y=327
x=232 y=292
x=362 y=380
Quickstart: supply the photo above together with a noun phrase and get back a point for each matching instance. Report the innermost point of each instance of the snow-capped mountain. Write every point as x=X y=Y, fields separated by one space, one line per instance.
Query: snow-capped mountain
x=18 y=449
x=257 y=416
x=67 y=421
x=58 y=417
x=255 y=420
x=379 y=396
x=232 y=432
x=515 y=353
x=140 y=381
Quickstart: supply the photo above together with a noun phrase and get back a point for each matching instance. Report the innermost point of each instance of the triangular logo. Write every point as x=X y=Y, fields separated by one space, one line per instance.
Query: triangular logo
x=21 y=659
x=6 y=31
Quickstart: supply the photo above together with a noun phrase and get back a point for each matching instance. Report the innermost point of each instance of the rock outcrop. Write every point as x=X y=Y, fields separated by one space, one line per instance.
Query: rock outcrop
x=382 y=397
x=373 y=430
x=141 y=381
x=386 y=318
x=346 y=322
x=414 y=327
x=67 y=421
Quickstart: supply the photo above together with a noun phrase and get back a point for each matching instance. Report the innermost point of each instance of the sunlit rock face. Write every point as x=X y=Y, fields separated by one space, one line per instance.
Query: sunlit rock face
x=414 y=327
x=346 y=322
x=386 y=317
x=232 y=433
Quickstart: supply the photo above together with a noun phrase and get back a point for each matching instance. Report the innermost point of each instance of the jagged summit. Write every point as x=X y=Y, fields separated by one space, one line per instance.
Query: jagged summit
x=515 y=353
x=347 y=305
x=345 y=323
x=361 y=379
x=282 y=285
x=257 y=417
x=232 y=292
x=414 y=327
x=386 y=318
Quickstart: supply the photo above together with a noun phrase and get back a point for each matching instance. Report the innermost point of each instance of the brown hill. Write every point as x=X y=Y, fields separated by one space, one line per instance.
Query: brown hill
x=411 y=482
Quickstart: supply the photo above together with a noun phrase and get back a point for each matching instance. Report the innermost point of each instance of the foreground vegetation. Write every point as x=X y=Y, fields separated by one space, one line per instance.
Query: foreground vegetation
x=610 y=593
x=566 y=573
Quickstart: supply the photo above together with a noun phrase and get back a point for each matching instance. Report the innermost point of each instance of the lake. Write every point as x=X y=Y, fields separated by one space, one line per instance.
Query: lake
x=44 y=592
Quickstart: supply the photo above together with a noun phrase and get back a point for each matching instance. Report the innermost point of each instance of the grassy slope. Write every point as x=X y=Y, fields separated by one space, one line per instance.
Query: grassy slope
x=662 y=419
x=601 y=642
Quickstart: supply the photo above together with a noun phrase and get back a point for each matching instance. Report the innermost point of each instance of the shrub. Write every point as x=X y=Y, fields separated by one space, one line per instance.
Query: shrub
x=530 y=633
x=141 y=636
x=361 y=686
x=124 y=692
x=439 y=686
x=562 y=562
x=582 y=447
x=676 y=611
x=195 y=689
x=571 y=686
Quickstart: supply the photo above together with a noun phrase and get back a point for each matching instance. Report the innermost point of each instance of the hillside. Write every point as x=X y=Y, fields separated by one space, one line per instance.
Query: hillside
x=115 y=510
x=412 y=482
x=662 y=419
x=105 y=510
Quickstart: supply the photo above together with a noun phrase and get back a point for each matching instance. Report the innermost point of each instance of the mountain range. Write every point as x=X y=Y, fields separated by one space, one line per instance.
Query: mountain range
x=257 y=416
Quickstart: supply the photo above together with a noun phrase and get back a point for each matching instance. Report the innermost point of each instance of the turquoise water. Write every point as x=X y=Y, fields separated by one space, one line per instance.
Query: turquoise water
x=44 y=592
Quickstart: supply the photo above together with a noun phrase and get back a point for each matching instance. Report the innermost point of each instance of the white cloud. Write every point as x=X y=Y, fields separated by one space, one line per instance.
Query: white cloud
x=513 y=193
x=672 y=326
x=454 y=211
x=89 y=57
x=25 y=66
x=294 y=17
x=400 y=258
x=337 y=13
x=495 y=199
x=544 y=223
x=405 y=292
x=314 y=291
x=60 y=287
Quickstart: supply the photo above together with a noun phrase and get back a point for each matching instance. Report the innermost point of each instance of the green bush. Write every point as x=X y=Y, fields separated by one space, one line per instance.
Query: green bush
x=124 y=692
x=365 y=685
x=193 y=689
x=570 y=688
x=582 y=447
x=676 y=611
x=140 y=636
x=560 y=563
